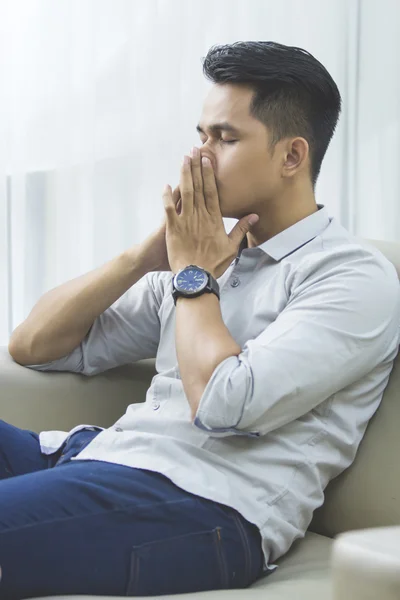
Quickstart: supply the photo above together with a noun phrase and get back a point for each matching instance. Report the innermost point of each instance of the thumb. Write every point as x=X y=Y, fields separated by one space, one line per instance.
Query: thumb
x=242 y=227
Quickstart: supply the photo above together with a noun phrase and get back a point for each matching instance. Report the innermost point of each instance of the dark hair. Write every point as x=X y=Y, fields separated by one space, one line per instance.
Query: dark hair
x=294 y=93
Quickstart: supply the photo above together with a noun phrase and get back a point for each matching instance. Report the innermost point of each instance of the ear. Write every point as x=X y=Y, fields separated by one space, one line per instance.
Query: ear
x=296 y=156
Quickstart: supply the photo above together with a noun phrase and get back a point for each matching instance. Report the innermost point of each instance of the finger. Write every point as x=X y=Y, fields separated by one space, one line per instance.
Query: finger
x=176 y=197
x=210 y=187
x=197 y=178
x=186 y=187
x=169 y=205
x=242 y=228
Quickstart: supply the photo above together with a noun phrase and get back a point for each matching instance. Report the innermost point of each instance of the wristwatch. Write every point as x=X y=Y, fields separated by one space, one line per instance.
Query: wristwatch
x=193 y=281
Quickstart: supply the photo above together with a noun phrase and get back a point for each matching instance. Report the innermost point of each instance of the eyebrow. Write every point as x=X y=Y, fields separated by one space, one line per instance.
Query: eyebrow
x=217 y=127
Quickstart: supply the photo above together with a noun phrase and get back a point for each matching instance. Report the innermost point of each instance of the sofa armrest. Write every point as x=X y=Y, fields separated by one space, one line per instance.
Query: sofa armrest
x=40 y=401
x=366 y=564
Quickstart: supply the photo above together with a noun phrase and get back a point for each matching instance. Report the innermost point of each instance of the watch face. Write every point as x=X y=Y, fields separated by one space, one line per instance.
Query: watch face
x=191 y=280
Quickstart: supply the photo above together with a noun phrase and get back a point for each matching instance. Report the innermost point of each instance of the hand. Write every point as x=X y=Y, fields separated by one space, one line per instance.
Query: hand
x=197 y=235
x=152 y=252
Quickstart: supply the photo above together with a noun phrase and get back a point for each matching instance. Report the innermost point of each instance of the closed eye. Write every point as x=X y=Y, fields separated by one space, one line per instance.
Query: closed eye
x=223 y=141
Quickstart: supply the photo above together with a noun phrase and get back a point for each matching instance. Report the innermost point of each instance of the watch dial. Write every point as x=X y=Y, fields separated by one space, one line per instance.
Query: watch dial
x=191 y=280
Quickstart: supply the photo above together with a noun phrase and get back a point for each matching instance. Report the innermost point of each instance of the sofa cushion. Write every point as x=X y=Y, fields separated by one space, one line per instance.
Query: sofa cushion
x=303 y=573
x=367 y=494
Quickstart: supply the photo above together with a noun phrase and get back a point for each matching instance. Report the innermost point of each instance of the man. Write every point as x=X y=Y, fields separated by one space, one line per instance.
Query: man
x=274 y=345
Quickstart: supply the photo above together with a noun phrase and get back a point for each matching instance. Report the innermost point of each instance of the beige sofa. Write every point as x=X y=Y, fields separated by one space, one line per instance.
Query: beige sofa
x=367 y=495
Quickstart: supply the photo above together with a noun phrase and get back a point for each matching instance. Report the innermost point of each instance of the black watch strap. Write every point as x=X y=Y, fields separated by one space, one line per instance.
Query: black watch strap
x=213 y=285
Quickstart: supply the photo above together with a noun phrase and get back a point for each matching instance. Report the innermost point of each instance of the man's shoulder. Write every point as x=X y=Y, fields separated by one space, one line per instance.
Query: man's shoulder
x=339 y=266
x=338 y=251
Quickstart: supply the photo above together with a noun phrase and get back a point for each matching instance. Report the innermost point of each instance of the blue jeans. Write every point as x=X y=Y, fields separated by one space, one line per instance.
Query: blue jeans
x=92 y=527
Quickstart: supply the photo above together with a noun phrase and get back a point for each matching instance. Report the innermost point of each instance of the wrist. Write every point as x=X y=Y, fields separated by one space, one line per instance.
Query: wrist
x=193 y=281
x=136 y=261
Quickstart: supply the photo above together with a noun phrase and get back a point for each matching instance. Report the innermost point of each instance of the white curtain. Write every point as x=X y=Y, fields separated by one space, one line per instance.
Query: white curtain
x=100 y=98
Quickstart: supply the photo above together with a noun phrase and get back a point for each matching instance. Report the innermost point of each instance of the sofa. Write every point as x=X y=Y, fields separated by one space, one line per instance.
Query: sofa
x=352 y=547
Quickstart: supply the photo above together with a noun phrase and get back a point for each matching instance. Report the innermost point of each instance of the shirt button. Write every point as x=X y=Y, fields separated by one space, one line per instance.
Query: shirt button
x=235 y=282
x=118 y=429
x=156 y=405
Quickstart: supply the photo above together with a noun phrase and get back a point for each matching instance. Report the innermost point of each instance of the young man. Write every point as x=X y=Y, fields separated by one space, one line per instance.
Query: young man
x=274 y=345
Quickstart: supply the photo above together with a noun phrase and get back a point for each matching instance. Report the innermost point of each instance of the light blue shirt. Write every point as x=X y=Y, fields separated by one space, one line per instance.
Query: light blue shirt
x=316 y=313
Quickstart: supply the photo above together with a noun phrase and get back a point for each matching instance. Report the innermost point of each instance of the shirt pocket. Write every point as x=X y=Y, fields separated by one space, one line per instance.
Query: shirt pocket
x=178 y=565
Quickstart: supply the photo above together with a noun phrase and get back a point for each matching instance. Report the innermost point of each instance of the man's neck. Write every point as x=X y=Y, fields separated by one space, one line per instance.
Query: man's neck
x=280 y=215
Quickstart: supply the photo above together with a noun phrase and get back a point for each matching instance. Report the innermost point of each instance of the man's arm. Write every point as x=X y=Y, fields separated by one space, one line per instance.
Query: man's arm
x=202 y=343
x=338 y=326
x=63 y=316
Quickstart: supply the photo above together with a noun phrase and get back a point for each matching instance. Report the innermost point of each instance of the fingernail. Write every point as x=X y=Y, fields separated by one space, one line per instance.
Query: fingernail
x=186 y=160
x=253 y=219
x=194 y=152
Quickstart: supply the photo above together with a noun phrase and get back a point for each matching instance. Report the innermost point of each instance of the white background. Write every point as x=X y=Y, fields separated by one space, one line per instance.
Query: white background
x=100 y=98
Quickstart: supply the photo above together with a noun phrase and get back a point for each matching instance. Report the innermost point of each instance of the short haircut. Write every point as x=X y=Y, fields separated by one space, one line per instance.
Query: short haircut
x=294 y=93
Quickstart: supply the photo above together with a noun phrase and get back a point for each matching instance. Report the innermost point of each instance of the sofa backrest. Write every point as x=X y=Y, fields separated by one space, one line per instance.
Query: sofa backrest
x=367 y=494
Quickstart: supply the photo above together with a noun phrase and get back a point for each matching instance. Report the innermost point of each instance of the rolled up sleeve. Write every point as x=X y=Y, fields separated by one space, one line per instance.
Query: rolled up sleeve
x=127 y=331
x=335 y=329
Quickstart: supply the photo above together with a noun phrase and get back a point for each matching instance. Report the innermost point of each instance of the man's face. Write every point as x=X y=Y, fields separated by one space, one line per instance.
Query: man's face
x=247 y=175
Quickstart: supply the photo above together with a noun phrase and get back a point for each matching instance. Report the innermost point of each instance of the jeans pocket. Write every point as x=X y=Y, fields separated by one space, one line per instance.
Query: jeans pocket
x=74 y=445
x=187 y=563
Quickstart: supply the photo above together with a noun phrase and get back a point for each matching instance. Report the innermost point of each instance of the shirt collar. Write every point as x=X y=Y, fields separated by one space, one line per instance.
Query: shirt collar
x=295 y=236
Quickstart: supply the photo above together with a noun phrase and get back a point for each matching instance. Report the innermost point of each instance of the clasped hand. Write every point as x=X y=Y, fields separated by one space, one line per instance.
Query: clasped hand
x=197 y=234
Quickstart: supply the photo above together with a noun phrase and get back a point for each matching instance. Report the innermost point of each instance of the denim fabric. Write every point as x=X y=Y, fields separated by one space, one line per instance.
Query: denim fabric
x=92 y=527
